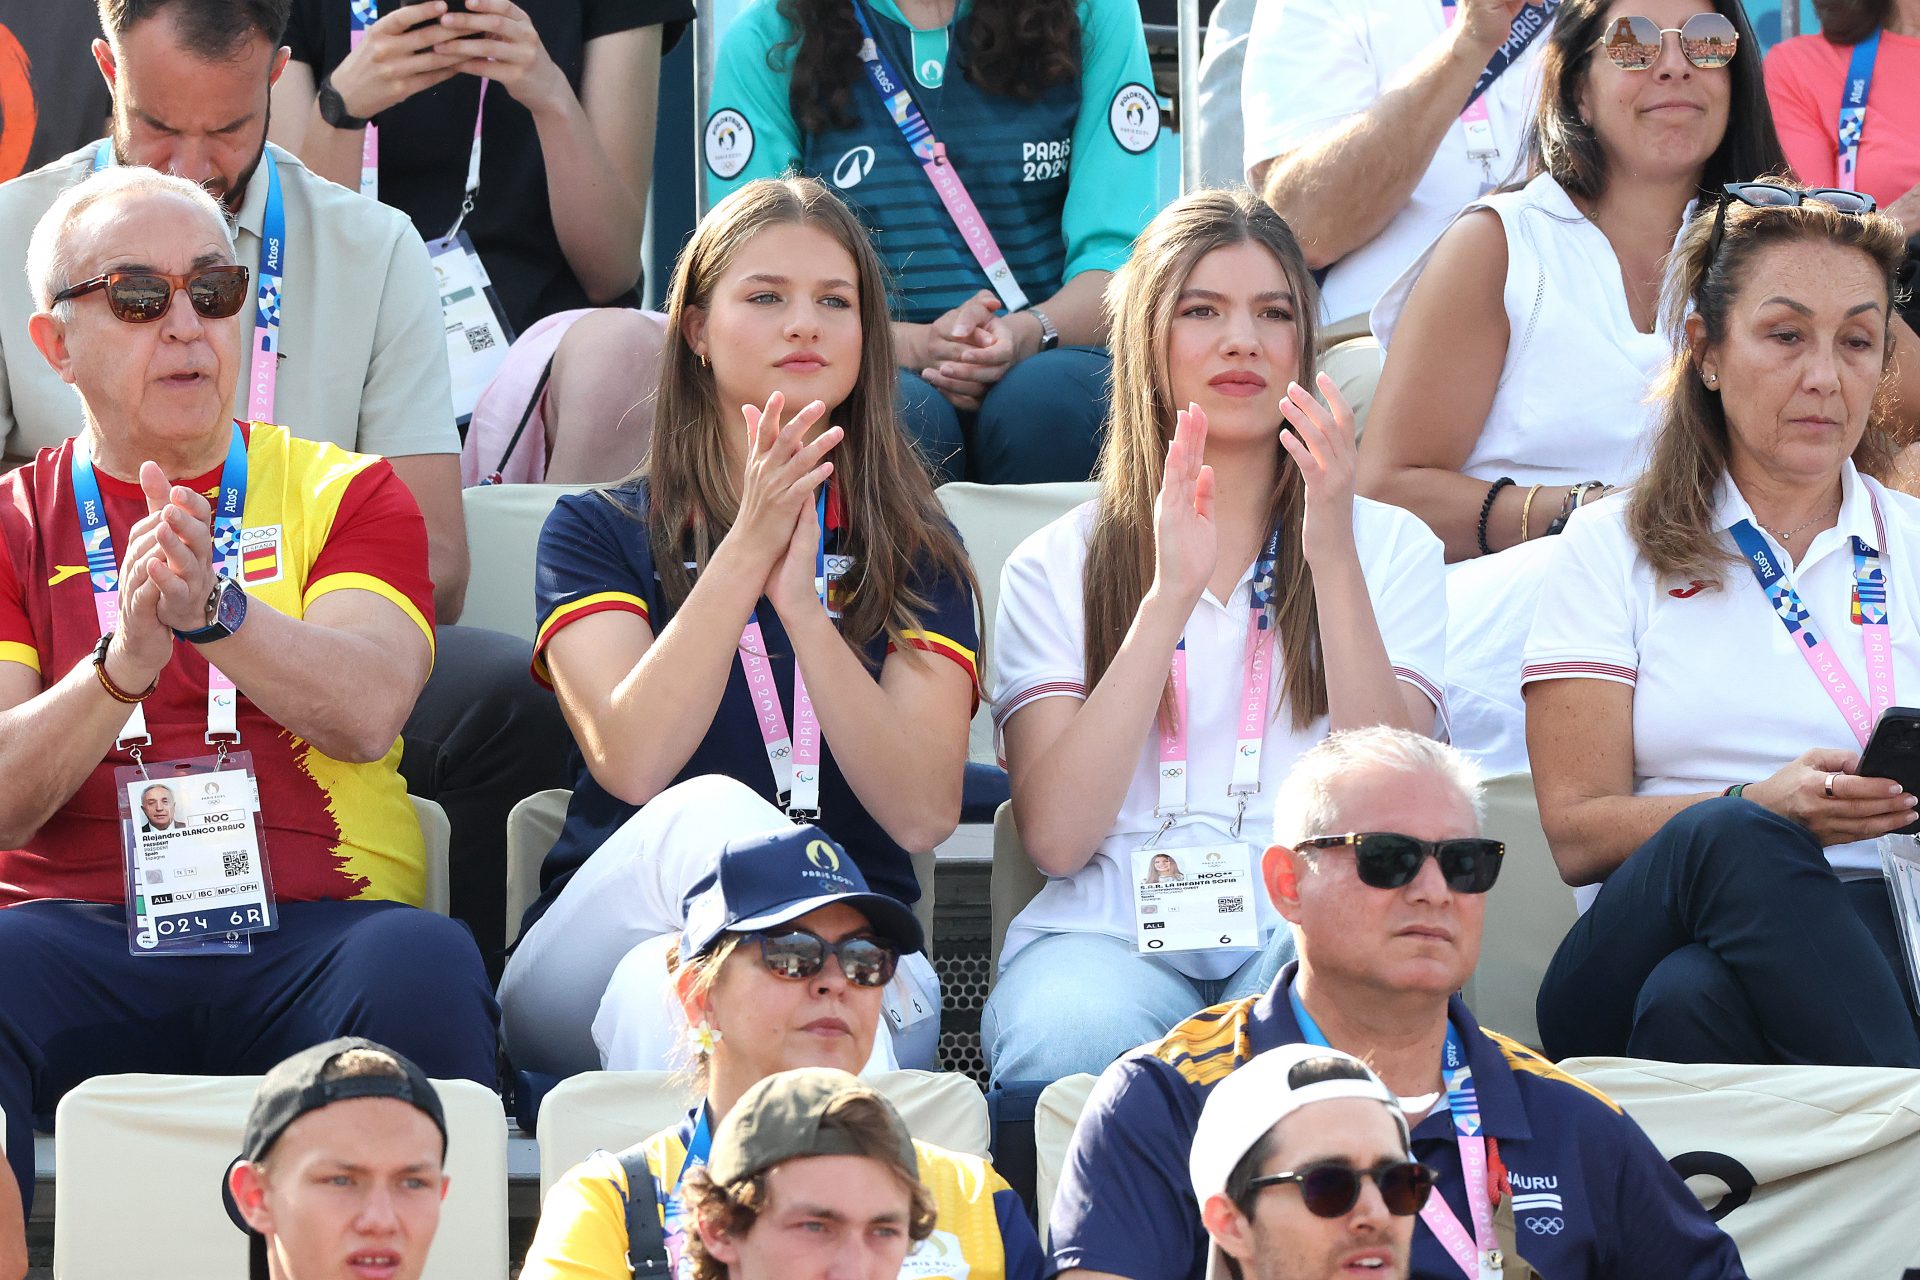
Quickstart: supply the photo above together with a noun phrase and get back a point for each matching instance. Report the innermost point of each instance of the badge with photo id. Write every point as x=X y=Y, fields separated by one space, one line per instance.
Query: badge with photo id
x=478 y=334
x=1194 y=899
x=196 y=860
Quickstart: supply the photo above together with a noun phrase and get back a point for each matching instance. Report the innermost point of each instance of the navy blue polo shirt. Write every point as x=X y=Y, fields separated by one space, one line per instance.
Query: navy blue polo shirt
x=1601 y=1201
x=595 y=556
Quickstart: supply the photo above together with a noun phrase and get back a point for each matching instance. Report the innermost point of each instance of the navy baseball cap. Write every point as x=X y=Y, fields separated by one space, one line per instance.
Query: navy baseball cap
x=775 y=876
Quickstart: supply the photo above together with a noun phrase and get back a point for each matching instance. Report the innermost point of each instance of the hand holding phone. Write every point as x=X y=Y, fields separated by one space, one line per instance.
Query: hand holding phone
x=1893 y=752
x=399 y=57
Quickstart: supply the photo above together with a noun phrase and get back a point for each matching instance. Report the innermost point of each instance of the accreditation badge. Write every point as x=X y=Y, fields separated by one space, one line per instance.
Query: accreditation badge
x=1195 y=898
x=196 y=862
x=478 y=334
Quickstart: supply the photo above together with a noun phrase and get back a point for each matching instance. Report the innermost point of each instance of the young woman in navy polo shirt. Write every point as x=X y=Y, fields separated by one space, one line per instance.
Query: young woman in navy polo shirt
x=781 y=520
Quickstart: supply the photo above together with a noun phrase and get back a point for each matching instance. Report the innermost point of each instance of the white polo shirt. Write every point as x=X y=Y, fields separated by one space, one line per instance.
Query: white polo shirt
x=1039 y=647
x=1720 y=693
x=1311 y=65
x=363 y=351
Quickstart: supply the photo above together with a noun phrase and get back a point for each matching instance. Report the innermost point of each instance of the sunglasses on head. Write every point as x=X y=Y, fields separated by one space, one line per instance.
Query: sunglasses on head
x=1331 y=1189
x=1772 y=195
x=796 y=955
x=141 y=297
x=1707 y=40
x=1389 y=860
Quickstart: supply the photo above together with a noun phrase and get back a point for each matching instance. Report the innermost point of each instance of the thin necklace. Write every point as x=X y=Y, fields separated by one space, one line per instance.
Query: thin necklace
x=1788 y=535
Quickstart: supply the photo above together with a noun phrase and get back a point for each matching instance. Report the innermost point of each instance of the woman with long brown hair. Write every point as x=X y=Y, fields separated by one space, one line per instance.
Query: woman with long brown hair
x=1164 y=652
x=773 y=617
x=1710 y=656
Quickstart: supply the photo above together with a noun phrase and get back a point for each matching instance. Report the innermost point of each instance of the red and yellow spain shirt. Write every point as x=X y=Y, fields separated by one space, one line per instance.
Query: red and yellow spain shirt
x=318 y=520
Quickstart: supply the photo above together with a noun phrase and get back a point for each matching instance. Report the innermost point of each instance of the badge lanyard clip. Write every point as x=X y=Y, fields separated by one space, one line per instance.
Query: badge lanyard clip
x=794 y=756
x=1255 y=696
x=1476 y=119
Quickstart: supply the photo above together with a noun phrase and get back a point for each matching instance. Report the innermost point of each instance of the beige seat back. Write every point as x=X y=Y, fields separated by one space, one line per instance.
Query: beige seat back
x=1811 y=1170
x=993 y=519
x=1015 y=881
x=612 y=1110
x=1528 y=913
x=437 y=831
x=503 y=540
x=140 y=1160
x=1054 y=1117
x=1355 y=365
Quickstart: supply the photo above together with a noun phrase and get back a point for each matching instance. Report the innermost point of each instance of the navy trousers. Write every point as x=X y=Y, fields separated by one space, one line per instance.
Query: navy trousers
x=1728 y=938
x=1041 y=422
x=75 y=1004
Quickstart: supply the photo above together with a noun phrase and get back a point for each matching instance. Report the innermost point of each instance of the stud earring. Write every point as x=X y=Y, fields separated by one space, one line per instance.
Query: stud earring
x=1713 y=380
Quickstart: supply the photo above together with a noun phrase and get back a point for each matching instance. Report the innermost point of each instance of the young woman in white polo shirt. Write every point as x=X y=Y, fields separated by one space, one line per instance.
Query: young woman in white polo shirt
x=1708 y=660
x=1522 y=343
x=1164 y=652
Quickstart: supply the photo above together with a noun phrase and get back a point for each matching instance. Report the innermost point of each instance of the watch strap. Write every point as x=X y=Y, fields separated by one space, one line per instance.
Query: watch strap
x=333 y=108
x=1049 y=336
x=226 y=609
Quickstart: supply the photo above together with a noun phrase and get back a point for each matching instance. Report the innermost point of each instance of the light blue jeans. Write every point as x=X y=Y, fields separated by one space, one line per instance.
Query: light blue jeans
x=1074 y=1002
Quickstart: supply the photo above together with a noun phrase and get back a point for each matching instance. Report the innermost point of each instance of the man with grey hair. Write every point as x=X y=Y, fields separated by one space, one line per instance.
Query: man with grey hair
x=343 y=340
x=209 y=644
x=1380 y=867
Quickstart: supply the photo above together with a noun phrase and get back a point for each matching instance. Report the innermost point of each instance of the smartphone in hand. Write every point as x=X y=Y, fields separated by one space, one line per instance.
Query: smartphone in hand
x=1893 y=753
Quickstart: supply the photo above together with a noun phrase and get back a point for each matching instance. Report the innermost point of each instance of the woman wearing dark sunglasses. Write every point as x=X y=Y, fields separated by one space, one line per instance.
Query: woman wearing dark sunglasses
x=781 y=967
x=1709 y=657
x=1520 y=348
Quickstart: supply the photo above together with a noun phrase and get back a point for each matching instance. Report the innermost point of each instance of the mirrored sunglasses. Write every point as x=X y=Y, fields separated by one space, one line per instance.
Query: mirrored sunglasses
x=141 y=297
x=796 y=955
x=1707 y=40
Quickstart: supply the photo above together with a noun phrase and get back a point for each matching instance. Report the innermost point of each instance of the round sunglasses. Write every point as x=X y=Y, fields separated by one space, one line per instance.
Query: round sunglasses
x=141 y=297
x=1331 y=1188
x=1389 y=860
x=795 y=954
x=1707 y=40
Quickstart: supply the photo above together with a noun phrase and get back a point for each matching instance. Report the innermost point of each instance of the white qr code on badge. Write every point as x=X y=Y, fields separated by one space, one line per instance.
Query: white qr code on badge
x=479 y=338
x=1231 y=906
x=236 y=864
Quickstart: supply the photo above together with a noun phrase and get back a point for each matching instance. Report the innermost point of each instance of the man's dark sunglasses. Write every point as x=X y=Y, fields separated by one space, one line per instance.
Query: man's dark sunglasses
x=141 y=297
x=1772 y=195
x=1331 y=1189
x=796 y=955
x=1389 y=860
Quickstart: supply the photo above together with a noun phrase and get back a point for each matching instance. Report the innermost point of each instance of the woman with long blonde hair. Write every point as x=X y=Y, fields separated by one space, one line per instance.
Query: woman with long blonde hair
x=1164 y=652
x=772 y=619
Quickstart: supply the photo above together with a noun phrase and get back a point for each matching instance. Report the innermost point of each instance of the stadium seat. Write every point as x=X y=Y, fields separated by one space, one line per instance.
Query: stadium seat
x=1811 y=1170
x=1354 y=366
x=1530 y=912
x=503 y=538
x=1054 y=1116
x=535 y=824
x=140 y=1159
x=1015 y=882
x=993 y=519
x=438 y=833
x=612 y=1110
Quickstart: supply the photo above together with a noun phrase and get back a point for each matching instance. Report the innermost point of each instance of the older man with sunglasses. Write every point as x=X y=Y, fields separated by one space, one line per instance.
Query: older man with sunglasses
x=258 y=652
x=1380 y=868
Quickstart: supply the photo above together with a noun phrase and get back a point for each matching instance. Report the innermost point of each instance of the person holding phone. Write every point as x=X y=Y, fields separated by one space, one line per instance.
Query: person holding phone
x=1710 y=654
x=560 y=93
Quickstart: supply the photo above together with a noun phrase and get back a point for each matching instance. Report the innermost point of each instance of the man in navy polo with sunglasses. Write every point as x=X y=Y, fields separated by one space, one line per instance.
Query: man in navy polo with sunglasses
x=1381 y=870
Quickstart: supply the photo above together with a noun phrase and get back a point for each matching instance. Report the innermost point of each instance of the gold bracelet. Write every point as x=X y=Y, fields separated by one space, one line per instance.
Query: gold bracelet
x=1526 y=513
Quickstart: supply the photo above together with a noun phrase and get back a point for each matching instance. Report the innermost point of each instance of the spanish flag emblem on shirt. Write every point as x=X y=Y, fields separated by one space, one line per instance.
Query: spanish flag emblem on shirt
x=260 y=555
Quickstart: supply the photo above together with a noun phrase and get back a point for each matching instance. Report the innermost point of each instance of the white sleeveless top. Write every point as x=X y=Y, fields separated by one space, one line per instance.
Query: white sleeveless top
x=1571 y=404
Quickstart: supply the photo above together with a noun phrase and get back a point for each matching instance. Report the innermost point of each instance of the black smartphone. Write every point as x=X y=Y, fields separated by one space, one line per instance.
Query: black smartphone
x=1893 y=753
x=388 y=6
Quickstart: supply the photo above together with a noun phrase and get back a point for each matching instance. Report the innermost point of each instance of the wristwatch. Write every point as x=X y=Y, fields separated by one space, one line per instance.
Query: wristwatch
x=1049 y=336
x=333 y=108
x=226 y=610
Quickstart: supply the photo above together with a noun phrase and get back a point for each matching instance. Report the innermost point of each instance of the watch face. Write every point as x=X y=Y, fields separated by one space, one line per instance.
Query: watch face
x=232 y=605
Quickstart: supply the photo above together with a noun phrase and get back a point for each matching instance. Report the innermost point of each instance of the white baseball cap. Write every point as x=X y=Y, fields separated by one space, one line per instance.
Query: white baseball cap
x=1256 y=1096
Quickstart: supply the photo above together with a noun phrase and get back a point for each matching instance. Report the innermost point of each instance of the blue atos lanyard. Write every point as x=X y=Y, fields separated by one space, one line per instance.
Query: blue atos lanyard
x=269 y=287
x=1477 y=1255
x=1853 y=110
x=675 y=1211
x=103 y=570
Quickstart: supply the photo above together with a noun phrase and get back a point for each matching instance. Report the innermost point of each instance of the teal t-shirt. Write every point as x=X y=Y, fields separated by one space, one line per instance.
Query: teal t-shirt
x=1064 y=182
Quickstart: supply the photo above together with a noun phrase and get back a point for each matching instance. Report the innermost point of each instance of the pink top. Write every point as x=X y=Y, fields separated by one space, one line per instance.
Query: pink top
x=1804 y=78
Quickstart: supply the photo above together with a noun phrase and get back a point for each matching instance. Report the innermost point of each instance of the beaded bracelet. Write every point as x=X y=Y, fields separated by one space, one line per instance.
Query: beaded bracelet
x=1486 y=510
